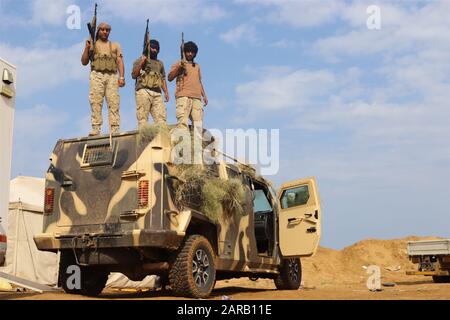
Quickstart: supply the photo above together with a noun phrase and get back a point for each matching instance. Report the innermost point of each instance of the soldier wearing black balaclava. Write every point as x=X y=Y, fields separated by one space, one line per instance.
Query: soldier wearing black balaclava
x=150 y=80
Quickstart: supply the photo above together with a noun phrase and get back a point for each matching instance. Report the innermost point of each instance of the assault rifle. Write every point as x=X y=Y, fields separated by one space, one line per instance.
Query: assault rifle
x=146 y=49
x=91 y=27
x=183 y=56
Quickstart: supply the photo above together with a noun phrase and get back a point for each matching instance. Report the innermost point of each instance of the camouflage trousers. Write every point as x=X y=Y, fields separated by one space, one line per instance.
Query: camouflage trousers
x=104 y=85
x=148 y=101
x=189 y=108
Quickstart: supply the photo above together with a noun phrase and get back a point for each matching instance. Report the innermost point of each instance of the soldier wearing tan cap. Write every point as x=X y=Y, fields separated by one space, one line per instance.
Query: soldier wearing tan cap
x=104 y=83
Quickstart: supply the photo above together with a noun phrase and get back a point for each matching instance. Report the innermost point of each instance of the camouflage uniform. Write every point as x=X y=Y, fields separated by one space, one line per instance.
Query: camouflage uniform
x=148 y=92
x=104 y=84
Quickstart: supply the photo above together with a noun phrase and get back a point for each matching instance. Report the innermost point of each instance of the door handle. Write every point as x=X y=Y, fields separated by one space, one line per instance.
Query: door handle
x=308 y=215
x=294 y=220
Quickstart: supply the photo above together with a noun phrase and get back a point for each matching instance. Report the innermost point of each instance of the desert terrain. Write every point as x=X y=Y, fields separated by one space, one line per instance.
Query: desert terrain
x=328 y=275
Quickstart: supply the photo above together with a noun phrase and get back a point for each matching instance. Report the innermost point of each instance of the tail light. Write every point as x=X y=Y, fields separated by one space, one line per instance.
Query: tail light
x=3 y=238
x=143 y=193
x=49 y=200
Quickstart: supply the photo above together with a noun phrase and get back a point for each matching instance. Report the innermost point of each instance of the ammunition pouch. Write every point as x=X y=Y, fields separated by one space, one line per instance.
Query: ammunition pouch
x=151 y=80
x=104 y=63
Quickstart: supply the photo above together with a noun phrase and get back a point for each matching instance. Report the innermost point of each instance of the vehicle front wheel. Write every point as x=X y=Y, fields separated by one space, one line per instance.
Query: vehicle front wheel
x=193 y=272
x=290 y=275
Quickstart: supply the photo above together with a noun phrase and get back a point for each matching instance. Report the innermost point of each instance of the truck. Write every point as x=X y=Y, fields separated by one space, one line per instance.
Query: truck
x=432 y=257
x=7 y=108
x=112 y=205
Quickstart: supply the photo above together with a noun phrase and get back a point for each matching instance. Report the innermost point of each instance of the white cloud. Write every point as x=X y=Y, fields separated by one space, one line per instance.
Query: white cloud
x=35 y=13
x=306 y=13
x=284 y=44
x=274 y=90
x=45 y=67
x=49 y=12
x=241 y=33
x=172 y=12
x=403 y=29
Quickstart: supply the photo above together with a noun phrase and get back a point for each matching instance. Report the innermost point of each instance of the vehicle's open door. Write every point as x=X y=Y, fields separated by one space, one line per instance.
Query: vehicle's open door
x=299 y=217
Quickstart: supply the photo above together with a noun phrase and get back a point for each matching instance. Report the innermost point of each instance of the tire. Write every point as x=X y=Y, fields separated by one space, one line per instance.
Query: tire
x=92 y=281
x=290 y=276
x=441 y=279
x=66 y=259
x=193 y=272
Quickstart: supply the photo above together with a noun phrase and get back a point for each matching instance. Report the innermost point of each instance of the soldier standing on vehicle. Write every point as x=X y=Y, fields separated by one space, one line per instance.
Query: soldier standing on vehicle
x=106 y=60
x=189 y=87
x=150 y=78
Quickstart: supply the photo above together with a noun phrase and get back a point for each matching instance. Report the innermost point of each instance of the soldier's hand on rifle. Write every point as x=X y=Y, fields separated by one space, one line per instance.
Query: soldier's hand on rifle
x=143 y=59
x=88 y=44
x=121 y=82
x=181 y=67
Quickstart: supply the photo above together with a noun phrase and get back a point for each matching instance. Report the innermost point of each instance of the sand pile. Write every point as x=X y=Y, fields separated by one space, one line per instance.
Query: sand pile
x=349 y=265
x=330 y=268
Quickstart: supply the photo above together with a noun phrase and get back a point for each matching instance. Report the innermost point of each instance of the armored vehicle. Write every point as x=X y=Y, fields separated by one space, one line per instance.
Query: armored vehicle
x=114 y=207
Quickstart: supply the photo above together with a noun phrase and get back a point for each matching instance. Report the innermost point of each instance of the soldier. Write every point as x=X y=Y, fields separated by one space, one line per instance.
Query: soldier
x=189 y=89
x=150 y=78
x=106 y=61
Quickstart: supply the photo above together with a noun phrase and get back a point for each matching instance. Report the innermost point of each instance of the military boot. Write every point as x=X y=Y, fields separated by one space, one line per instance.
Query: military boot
x=95 y=131
x=115 y=129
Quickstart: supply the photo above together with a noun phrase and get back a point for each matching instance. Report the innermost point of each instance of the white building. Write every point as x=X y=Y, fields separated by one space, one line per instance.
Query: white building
x=7 y=106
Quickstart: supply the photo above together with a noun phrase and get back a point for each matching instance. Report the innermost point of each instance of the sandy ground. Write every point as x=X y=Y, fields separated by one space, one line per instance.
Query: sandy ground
x=329 y=275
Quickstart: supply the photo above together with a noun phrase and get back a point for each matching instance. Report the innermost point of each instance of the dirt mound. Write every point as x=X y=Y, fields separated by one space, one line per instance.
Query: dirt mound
x=347 y=268
x=349 y=265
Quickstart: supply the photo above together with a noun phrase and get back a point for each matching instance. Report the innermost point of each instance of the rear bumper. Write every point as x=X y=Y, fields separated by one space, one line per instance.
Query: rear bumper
x=164 y=239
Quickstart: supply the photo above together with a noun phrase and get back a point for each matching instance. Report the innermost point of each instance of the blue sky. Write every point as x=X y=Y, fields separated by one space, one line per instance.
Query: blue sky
x=364 y=111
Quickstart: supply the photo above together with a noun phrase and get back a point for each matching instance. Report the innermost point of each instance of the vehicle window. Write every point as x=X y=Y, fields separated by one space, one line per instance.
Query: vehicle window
x=260 y=203
x=294 y=197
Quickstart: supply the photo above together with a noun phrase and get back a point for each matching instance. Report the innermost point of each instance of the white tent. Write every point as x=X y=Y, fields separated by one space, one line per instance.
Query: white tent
x=25 y=218
x=23 y=259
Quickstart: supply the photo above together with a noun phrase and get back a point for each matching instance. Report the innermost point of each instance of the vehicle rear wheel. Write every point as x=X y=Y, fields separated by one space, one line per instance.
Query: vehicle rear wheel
x=93 y=281
x=193 y=272
x=441 y=279
x=66 y=260
x=290 y=275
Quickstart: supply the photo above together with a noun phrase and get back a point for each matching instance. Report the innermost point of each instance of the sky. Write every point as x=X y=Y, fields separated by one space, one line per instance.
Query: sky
x=360 y=94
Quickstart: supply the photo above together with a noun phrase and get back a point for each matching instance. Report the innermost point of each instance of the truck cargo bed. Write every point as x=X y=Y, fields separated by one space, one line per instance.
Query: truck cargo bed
x=429 y=247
